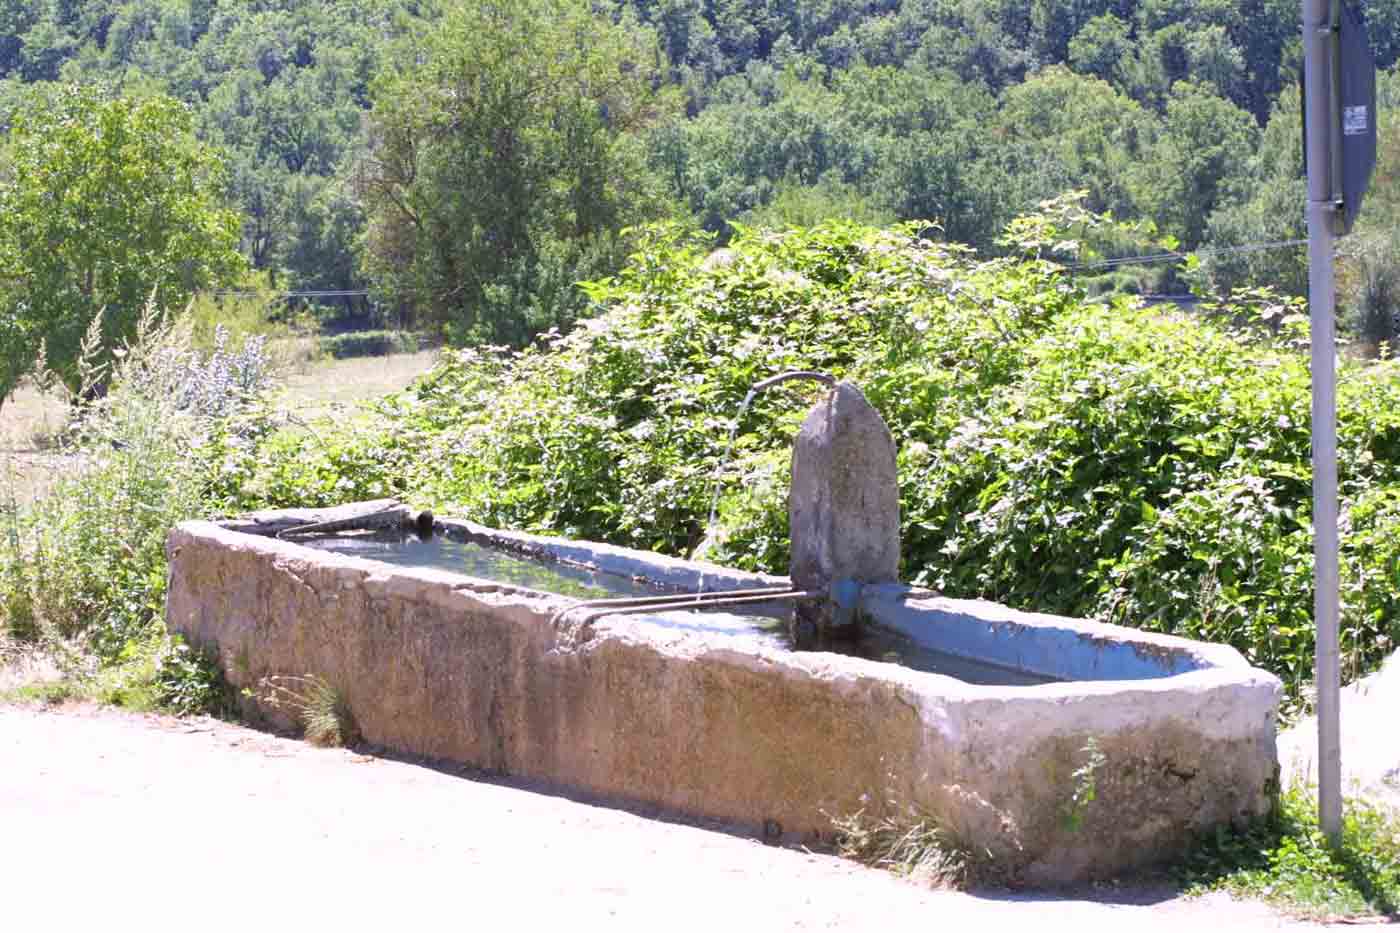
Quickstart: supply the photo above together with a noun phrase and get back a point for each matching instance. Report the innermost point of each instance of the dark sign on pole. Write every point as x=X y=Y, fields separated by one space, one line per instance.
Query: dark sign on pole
x=1356 y=112
x=1352 y=127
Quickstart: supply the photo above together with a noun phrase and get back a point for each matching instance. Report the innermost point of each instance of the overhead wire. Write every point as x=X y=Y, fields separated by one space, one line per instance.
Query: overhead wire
x=318 y=293
x=1178 y=257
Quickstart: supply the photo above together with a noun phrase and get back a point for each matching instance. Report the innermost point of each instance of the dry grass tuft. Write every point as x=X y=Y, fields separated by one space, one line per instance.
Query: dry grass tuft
x=907 y=843
x=320 y=707
x=30 y=420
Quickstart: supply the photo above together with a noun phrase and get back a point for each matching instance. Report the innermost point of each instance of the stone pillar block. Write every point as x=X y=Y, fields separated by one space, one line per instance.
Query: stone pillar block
x=844 y=505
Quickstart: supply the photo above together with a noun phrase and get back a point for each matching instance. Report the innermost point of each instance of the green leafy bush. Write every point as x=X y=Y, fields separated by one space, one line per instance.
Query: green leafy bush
x=1113 y=461
x=103 y=199
x=615 y=431
x=253 y=311
x=1285 y=859
x=369 y=455
x=369 y=343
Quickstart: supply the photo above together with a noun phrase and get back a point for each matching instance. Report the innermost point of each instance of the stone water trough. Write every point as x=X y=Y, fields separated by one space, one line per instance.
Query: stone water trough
x=1060 y=749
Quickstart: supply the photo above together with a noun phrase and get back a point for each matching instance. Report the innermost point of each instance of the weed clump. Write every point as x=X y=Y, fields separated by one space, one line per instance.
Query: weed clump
x=321 y=708
x=1286 y=860
x=84 y=567
x=368 y=343
x=909 y=843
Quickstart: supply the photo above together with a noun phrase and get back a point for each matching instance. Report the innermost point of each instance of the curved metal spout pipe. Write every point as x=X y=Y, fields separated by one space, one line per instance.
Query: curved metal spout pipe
x=826 y=378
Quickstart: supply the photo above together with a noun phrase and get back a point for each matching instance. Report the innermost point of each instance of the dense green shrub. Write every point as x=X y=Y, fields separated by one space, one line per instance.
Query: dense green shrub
x=366 y=456
x=369 y=343
x=1108 y=460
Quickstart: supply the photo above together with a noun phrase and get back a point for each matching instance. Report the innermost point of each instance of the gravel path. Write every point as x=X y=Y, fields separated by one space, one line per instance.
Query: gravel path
x=110 y=820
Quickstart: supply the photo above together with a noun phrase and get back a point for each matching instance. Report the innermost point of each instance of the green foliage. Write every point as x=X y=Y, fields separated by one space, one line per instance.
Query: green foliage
x=503 y=163
x=1197 y=161
x=85 y=568
x=797 y=205
x=1286 y=860
x=153 y=671
x=371 y=455
x=369 y=343
x=1268 y=207
x=1064 y=228
x=1368 y=276
x=281 y=88
x=251 y=313
x=960 y=112
x=1086 y=785
x=103 y=202
x=616 y=429
x=910 y=144
x=1071 y=132
x=1102 y=48
x=1372 y=280
x=189 y=682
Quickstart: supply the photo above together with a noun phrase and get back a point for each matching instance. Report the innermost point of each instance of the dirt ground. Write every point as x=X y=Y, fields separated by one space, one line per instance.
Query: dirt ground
x=28 y=422
x=329 y=386
x=323 y=388
x=113 y=819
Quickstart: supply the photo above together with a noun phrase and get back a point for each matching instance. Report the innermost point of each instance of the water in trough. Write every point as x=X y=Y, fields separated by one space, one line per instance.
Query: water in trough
x=767 y=622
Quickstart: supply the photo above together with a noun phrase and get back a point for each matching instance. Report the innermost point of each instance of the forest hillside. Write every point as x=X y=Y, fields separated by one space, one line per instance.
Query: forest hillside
x=467 y=161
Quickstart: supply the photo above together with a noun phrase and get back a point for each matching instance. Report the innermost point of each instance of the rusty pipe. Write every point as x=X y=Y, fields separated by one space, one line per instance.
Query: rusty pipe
x=700 y=604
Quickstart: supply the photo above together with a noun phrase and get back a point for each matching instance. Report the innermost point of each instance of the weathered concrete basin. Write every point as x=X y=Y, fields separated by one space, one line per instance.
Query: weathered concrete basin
x=704 y=721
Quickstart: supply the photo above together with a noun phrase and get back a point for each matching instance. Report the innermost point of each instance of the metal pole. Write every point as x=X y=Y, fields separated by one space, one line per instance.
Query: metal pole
x=1318 y=51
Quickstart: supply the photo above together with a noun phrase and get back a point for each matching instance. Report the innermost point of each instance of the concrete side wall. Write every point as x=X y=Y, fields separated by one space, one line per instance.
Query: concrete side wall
x=701 y=724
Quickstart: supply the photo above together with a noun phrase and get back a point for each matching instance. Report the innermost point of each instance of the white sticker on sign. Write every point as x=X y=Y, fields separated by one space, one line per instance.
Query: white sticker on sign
x=1354 y=121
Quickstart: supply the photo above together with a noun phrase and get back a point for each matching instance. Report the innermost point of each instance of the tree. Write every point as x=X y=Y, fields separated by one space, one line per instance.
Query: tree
x=1069 y=131
x=976 y=50
x=280 y=86
x=16 y=16
x=1368 y=273
x=1383 y=29
x=1101 y=47
x=1269 y=209
x=921 y=140
x=1054 y=23
x=103 y=202
x=504 y=159
x=740 y=150
x=1197 y=163
x=1214 y=59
